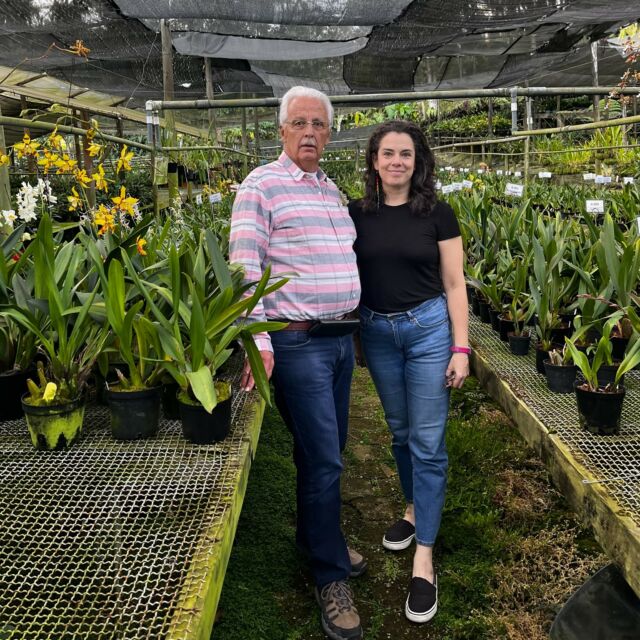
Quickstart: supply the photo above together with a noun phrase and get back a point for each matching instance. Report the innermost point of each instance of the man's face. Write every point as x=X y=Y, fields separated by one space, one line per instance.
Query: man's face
x=304 y=146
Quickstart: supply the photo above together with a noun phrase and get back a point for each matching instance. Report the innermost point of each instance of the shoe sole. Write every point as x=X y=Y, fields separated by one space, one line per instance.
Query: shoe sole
x=335 y=636
x=356 y=573
x=398 y=545
x=420 y=618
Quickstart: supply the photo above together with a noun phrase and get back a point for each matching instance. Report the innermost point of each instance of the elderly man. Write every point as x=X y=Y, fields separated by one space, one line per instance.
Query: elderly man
x=290 y=215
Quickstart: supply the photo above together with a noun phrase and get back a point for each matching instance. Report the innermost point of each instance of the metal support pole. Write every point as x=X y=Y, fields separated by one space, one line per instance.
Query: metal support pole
x=256 y=131
x=88 y=160
x=210 y=95
x=245 y=165
x=31 y=161
x=5 y=187
x=490 y=117
x=357 y=157
x=527 y=141
x=167 y=85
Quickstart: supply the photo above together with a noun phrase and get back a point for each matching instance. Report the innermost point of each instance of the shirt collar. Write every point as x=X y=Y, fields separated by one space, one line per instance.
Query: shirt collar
x=296 y=172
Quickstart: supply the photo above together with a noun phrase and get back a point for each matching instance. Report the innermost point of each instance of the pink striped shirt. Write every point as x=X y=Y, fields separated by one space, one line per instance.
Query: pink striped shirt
x=295 y=221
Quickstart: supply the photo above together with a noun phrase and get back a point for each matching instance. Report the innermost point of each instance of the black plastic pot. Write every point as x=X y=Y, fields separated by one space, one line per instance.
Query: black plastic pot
x=484 y=312
x=475 y=304
x=494 y=316
x=560 y=378
x=13 y=384
x=134 y=414
x=618 y=347
x=541 y=356
x=505 y=327
x=607 y=374
x=519 y=345
x=170 y=405
x=55 y=426
x=599 y=411
x=559 y=333
x=200 y=427
x=104 y=383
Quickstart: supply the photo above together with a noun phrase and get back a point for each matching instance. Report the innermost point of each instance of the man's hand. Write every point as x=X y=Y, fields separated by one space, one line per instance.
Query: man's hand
x=247 y=382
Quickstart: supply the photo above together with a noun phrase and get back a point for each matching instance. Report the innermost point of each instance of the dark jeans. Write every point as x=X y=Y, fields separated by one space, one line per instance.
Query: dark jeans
x=312 y=380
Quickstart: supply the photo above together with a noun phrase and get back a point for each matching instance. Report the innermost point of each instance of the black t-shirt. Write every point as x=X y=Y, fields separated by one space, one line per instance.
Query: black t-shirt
x=398 y=255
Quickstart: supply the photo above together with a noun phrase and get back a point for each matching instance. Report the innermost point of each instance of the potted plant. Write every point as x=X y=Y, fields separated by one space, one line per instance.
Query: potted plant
x=519 y=310
x=134 y=399
x=600 y=407
x=68 y=336
x=560 y=370
x=196 y=328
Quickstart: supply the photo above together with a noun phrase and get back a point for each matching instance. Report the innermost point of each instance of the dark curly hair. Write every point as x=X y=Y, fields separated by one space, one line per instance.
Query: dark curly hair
x=422 y=192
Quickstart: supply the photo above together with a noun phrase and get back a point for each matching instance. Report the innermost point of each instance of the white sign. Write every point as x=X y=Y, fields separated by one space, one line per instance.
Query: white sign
x=544 y=174
x=215 y=197
x=638 y=221
x=457 y=186
x=595 y=206
x=448 y=188
x=514 y=190
x=517 y=174
x=438 y=185
x=603 y=179
x=499 y=172
x=627 y=180
x=199 y=199
x=588 y=177
x=480 y=172
x=467 y=184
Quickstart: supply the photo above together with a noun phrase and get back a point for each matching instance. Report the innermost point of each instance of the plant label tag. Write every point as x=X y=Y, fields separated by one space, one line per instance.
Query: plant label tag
x=499 y=172
x=588 y=177
x=603 y=179
x=595 y=206
x=638 y=222
x=514 y=190
x=480 y=172
x=448 y=168
x=215 y=197
x=448 y=188
x=627 y=180
x=199 y=199
x=438 y=185
x=467 y=184
x=544 y=174
x=517 y=174
x=457 y=186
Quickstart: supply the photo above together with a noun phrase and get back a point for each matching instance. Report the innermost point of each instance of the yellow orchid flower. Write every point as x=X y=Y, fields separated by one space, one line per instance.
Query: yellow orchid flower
x=104 y=219
x=74 y=200
x=81 y=176
x=94 y=148
x=124 y=160
x=140 y=242
x=27 y=147
x=125 y=203
x=4 y=160
x=100 y=180
x=56 y=141
x=65 y=164
x=48 y=160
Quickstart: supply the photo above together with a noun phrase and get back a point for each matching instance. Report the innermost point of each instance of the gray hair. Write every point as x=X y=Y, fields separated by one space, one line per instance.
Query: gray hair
x=306 y=92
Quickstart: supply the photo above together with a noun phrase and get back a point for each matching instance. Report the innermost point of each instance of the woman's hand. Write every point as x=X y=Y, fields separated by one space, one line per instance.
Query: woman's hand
x=457 y=371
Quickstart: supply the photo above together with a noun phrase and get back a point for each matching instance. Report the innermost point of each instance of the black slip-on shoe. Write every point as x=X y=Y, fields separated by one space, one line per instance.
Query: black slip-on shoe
x=399 y=535
x=422 y=601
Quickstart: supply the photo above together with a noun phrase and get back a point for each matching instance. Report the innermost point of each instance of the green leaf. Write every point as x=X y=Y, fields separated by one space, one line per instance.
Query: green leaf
x=201 y=383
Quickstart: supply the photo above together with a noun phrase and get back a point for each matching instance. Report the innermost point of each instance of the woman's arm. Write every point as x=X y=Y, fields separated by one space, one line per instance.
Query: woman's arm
x=451 y=260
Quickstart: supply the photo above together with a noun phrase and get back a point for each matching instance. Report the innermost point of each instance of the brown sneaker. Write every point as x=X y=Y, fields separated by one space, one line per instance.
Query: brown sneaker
x=340 y=619
x=358 y=563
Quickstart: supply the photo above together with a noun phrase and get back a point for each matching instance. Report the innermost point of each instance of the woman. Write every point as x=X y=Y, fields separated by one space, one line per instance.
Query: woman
x=410 y=254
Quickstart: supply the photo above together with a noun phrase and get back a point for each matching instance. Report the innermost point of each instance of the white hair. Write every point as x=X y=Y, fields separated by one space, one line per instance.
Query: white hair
x=306 y=92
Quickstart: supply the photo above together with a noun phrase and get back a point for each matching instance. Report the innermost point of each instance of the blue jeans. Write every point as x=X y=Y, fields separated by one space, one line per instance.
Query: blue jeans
x=407 y=355
x=312 y=380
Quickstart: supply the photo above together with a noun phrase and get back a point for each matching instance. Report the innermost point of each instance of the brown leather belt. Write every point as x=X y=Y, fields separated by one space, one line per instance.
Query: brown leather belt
x=299 y=325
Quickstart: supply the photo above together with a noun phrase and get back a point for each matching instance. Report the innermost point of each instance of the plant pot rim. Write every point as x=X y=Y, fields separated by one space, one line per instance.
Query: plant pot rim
x=579 y=385
x=552 y=364
x=115 y=389
x=69 y=405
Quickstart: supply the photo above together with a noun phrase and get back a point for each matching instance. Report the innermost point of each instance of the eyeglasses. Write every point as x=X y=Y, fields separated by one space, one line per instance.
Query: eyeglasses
x=300 y=125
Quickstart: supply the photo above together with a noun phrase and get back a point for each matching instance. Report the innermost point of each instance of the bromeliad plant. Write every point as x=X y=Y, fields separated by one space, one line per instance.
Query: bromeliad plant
x=197 y=323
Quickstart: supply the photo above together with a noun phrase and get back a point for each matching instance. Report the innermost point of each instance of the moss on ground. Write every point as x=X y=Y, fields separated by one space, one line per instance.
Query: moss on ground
x=509 y=553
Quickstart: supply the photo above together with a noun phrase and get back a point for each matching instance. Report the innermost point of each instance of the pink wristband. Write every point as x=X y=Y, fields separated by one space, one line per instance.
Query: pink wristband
x=455 y=349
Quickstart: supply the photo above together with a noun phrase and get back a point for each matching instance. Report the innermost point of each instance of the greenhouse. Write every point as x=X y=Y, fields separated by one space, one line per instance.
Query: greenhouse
x=319 y=319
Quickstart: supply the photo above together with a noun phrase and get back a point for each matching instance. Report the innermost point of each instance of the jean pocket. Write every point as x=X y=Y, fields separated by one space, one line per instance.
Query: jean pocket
x=290 y=339
x=432 y=315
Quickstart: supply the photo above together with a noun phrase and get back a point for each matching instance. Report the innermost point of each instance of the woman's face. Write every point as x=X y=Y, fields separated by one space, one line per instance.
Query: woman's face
x=395 y=160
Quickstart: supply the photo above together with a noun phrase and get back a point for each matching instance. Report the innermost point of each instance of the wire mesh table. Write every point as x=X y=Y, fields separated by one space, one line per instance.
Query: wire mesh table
x=113 y=539
x=599 y=475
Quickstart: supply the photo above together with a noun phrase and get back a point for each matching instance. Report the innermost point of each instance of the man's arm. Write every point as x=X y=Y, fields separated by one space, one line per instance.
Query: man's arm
x=248 y=244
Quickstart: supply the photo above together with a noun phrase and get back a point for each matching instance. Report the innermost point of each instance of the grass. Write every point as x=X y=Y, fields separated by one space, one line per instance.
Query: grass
x=509 y=551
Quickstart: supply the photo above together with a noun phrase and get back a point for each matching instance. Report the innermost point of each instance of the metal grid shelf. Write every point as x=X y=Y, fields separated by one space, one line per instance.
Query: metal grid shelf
x=117 y=539
x=612 y=460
